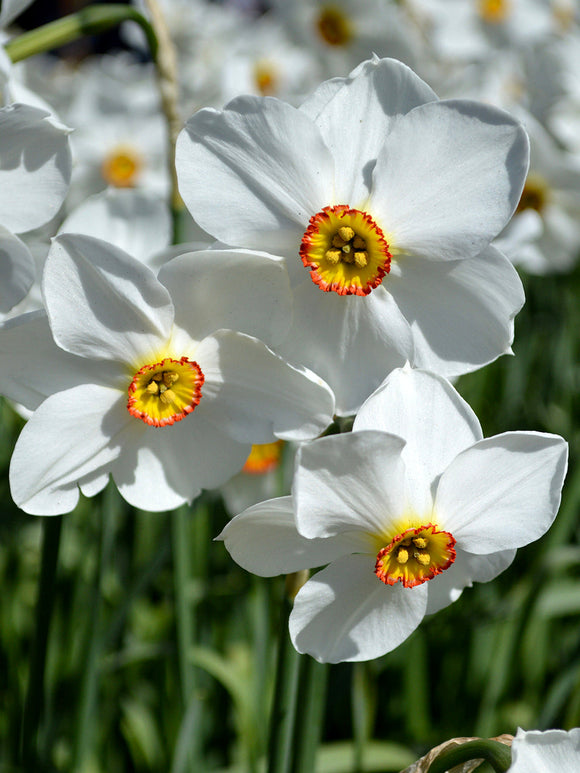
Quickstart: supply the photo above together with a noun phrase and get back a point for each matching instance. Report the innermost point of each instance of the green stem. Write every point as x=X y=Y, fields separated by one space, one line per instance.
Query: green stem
x=182 y=583
x=283 y=713
x=497 y=754
x=312 y=701
x=87 y=714
x=88 y=21
x=33 y=707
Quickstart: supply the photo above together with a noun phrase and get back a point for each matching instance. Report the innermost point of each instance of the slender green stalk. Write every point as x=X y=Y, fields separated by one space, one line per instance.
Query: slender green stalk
x=359 y=714
x=110 y=504
x=182 y=574
x=497 y=754
x=33 y=707
x=312 y=684
x=88 y=21
x=283 y=713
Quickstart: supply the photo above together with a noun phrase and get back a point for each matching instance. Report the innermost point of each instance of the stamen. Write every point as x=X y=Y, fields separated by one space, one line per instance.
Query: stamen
x=165 y=392
x=431 y=553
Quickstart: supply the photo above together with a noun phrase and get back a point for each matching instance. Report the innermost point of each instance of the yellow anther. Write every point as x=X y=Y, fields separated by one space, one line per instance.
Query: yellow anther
x=337 y=241
x=359 y=243
x=361 y=259
x=402 y=556
x=158 y=377
x=169 y=378
x=420 y=542
x=423 y=558
x=333 y=256
x=345 y=232
x=168 y=396
x=152 y=388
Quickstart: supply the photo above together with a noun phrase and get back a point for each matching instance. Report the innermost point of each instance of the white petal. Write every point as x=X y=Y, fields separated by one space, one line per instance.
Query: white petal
x=346 y=613
x=34 y=367
x=430 y=415
x=255 y=395
x=356 y=121
x=164 y=467
x=133 y=220
x=503 y=492
x=351 y=342
x=546 y=752
x=448 y=178
x=11 y=9
x=467 y=568
x=354 y=481
x=102 y=303
x=72 y=434
x=35 y=167
x=461 y=312
x=261 y=161
x=264 y=540
x=234 y=289
x=17 y=271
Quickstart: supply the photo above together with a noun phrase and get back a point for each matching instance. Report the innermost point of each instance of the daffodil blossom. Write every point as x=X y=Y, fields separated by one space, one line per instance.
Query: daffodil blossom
x=383 y=201
x=407 y=510
x=550 y=751
x=148 y=381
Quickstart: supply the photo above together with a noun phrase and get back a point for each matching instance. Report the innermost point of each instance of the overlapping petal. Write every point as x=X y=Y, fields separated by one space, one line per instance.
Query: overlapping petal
x=504 y=491
x=461 y=312
x=261 y=161
x=448 y=178
x=17 y=271
x=103 y=304
x=256 y=395
x=350 y=342
x=436 y=423
x=72 y=434
x=234 y=289
x=345 y=613
x=264 y=540
x=350 y=482
x=35 y=167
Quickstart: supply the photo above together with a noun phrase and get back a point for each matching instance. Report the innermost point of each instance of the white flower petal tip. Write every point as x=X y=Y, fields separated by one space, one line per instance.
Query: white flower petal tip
x=548 y=750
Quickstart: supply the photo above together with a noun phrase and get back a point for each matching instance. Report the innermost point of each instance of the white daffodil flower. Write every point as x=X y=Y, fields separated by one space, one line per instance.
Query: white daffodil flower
x=35 y=169
x=146 y=379
x=383 y=201
x=407 y=510
x=550 y=751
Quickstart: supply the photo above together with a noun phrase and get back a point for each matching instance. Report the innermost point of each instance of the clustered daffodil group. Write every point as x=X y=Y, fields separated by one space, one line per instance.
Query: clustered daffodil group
x=355 y=254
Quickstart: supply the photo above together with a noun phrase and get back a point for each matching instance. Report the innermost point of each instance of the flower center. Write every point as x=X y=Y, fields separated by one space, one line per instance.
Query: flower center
x=263 y=458
x=121 y=167
x=534 y=194
x=346 y=251
x=165 y=392
x=415 y=556
x=494 y=11
x=333 y=26
x=265 y=77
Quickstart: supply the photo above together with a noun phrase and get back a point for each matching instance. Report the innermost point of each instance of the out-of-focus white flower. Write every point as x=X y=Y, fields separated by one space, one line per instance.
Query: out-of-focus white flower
x=35 y=169
x=342 y=33
x=155 y=388
x=407 y=510
x=549 y=208
x=383 y=202
x=550 y=751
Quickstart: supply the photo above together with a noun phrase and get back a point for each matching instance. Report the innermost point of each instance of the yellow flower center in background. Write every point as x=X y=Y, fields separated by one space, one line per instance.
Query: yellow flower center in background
x=122 y=166
x=415 y=556
x=263 y=458
x=334 y=27
x=165 y=392
x=534 y=195
x=346 y=251
x=265 y=77
x=494 y=11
